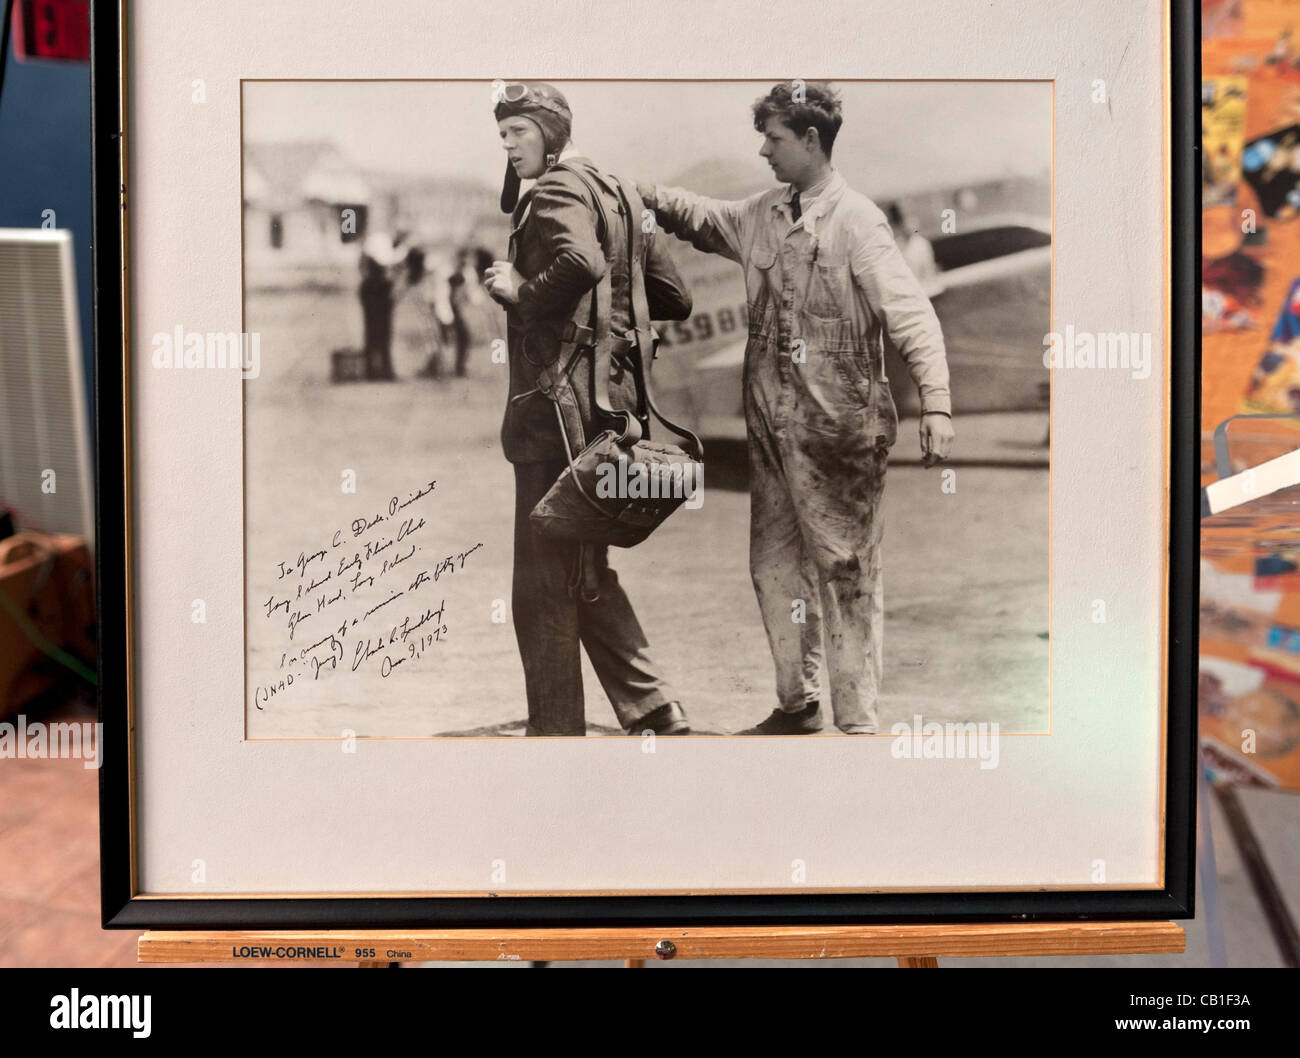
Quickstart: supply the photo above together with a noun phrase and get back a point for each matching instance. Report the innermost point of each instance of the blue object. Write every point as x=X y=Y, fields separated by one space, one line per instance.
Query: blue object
x=1258 y=155
x=1287 y=328
x=45 y=144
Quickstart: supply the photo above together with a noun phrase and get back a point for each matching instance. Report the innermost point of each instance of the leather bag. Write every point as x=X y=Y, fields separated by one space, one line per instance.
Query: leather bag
x=618 y=488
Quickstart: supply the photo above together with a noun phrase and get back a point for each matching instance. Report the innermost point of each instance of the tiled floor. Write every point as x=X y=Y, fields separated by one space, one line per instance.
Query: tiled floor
x=49 y=877
x=49 y=862
x=49 y=868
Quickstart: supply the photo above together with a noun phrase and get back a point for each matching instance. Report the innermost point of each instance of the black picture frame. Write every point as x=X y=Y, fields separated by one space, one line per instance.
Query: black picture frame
x=121 y=908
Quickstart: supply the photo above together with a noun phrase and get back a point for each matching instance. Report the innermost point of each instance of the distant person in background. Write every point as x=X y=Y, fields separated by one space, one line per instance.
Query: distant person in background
x=417 y=322
x=464 y=288
x=378 y=255
x=438 y=299
x=915 y=248
x=488 y=323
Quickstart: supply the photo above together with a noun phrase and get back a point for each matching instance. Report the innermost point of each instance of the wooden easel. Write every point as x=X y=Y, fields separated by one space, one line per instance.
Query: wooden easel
x=912 y=946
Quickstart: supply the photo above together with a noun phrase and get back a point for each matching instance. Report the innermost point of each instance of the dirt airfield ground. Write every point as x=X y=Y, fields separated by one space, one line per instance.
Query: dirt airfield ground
x=966 y=573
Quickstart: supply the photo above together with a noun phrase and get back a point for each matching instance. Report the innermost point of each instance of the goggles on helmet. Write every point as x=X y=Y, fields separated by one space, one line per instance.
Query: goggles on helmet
x=515 y=92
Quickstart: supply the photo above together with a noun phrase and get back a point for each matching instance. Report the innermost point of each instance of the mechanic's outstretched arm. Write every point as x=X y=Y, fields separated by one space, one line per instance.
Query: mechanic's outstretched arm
x=714 y=225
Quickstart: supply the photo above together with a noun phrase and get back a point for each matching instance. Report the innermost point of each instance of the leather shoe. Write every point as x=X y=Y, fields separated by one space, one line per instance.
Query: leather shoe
x=668 y=719
x=807 y=721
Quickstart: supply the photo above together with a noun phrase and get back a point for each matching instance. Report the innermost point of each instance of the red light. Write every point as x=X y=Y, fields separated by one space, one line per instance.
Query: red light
x=52 y=29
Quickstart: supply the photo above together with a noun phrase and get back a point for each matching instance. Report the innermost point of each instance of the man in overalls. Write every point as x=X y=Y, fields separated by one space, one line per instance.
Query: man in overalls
x=565 y=596
x=825 y=283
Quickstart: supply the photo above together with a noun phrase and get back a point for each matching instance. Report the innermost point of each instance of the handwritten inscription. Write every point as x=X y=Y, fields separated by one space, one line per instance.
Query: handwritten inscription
x=366 y=601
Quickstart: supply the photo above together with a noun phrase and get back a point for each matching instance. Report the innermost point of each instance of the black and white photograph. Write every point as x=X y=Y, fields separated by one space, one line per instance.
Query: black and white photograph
x=575 y=472
x=646 y=407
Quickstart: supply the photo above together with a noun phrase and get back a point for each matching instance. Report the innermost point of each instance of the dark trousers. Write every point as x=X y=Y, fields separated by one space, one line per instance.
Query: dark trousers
x=377 y=318
x=550 y=623
x=461 y=331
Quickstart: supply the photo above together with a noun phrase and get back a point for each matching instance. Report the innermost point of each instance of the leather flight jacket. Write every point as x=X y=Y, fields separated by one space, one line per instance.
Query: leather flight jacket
x=569 y=240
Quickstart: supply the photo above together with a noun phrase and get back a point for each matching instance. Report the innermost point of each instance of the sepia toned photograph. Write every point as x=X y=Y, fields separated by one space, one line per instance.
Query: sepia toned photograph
x=627 y=407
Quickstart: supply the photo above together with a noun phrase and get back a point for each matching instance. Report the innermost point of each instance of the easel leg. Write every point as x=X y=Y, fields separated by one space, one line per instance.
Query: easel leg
x=1209 y=871
x=918 y=962
x=1267 y=891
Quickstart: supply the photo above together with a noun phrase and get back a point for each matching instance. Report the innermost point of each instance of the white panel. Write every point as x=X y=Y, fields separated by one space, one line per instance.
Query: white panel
x=43 y=421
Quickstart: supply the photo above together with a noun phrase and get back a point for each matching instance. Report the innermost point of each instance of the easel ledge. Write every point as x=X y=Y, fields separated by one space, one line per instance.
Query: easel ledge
x=911 y=945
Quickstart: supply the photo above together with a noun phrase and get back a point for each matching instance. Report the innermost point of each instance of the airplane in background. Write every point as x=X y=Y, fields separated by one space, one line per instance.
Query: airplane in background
x=992 y=294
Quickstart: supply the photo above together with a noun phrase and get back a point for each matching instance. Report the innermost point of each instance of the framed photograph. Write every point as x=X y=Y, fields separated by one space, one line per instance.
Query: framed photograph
x=417 y=329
